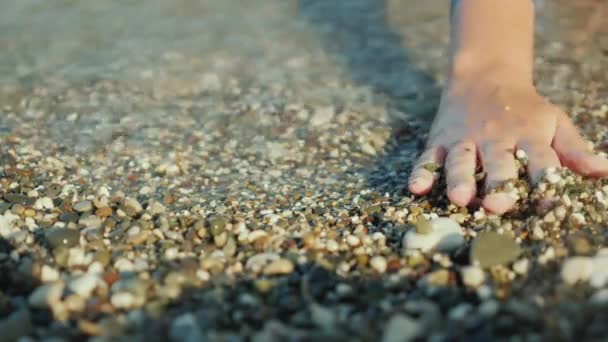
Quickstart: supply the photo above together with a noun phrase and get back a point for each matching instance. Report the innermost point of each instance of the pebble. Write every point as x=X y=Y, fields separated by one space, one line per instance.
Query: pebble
x=122 y=300
x=599 y=275
x=446 y=235
x=16 y=326
x=472 y=276
x=46 y=295
x=258 y=261
x=185 y=328
x=48 y=274
x=401 y=328
x=378 y=263
x=490 y=249
x=84 y=285
x=278 y=267
x=437 y=278
x=44 y=203
x=353 y=241
x=521 y=266
x=63 y=237
x=577 y=269
x=132 y=207
x=83 y=206
x=69 y=217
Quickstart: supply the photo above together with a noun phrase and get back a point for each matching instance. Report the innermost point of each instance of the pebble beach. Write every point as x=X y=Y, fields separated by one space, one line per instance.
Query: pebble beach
x=237 y=171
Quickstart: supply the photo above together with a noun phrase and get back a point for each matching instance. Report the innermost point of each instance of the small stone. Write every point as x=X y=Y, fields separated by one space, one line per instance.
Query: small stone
x=553 y=178
x=185 y=328
x=521 y=266
x=122 y=300
x=84 y=285
x=577 y=269
x=472 y=276
x=438 y=278
x=83 y=206
x=17 y=199
x=16 y=326
x=104 y=212
x=263 y=285
x=124 y=265
x=63 y=237
x=132 y=207
x=491 y=249
x=48 y=274
x=446 y=235
x=599 y=274
x=44 y=203
x=378 y=263
x=46 y=295
x=401 y=328
x=258 y=261
x=600 y=297
x=423 y=226
x=69 y=217
x=217 y=224
x=353 y=241
x=278 y=267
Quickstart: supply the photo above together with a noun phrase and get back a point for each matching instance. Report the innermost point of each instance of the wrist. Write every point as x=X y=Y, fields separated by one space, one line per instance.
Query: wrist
x=466 y=68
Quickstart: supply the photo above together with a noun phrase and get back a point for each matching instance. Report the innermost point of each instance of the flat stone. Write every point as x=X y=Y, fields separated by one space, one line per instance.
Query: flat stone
x=490 y=249
x=472 y=276
x=577 y=269
x=401 y=328
x=185 y=328
x=46 y=295
x=63 y=237
x=445 y=235
x=278 y=267
x=84 y=285
x=16 y=326
x=83 y=206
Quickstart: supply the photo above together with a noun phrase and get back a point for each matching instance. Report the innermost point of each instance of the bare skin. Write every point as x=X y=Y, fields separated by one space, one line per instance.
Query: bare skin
x=490 y=107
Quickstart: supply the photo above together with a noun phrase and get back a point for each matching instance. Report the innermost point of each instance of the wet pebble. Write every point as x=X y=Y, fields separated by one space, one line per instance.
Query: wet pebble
x=46 y=295
x=84 y=285
x=83 y=206
x=445 y=235
x=577 y=269
x=490 y=249
x=279 y=267
x=401 y=328
x=378 y=263
x=63 y=237
x=472 y=276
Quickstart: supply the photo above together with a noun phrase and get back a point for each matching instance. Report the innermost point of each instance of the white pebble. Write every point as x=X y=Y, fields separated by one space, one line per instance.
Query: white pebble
x=472 y=276
x=353 y=240
x=258 y=261
x=599 y=275
x=553 y=178
x=84 y=285
x=577 y=269
x=521 y=266
x=122 y=300
x=48 y=274
x=44 y=203
x=124 y=265
x=378 y=263
x=446 y=235
x=46 y=295
x=277 y=267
